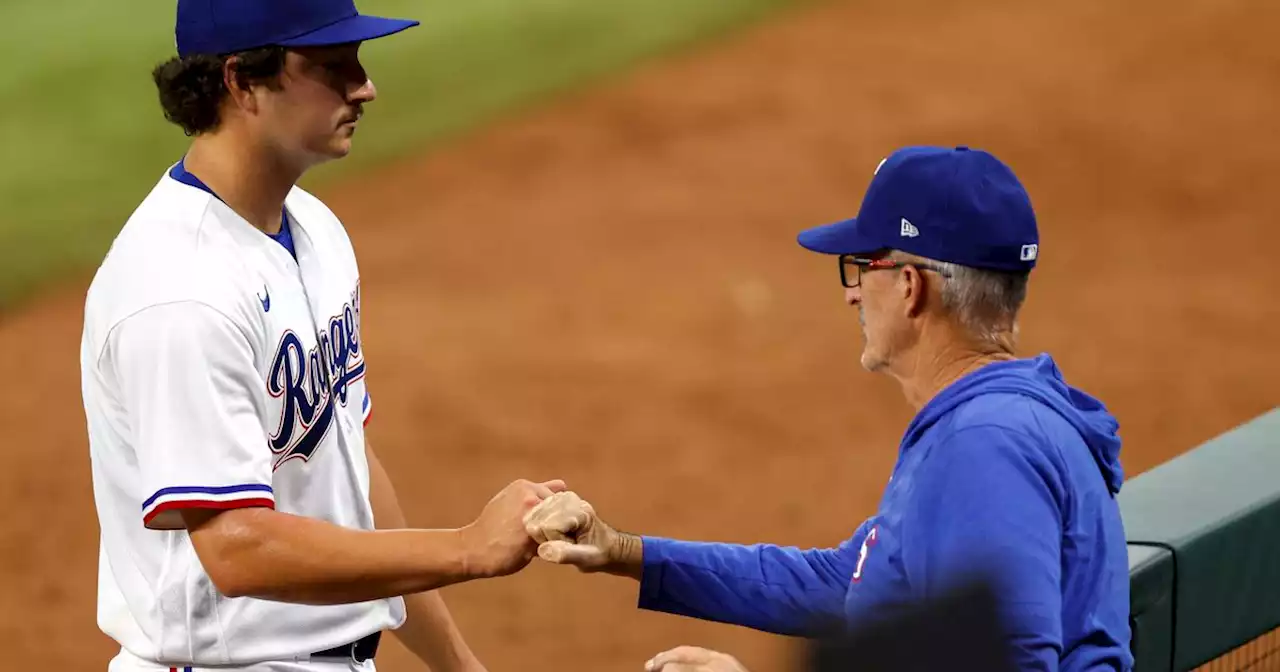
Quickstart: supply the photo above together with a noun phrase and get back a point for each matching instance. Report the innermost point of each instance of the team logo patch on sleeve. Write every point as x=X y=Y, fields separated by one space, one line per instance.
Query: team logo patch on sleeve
x=867 y=543
x=310 y=382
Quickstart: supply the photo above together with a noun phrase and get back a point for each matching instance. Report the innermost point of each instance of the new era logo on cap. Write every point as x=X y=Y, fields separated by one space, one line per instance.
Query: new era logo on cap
x=909 y=230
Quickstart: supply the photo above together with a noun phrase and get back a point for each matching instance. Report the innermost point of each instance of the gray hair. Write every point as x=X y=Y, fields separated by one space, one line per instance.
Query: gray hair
x=986 y=302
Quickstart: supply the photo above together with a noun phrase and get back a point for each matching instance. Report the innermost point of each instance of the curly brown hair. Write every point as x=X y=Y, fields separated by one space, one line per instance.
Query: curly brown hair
x=192 y=87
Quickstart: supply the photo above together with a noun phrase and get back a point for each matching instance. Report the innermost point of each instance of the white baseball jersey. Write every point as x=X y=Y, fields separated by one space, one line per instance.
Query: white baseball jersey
x=219 y=370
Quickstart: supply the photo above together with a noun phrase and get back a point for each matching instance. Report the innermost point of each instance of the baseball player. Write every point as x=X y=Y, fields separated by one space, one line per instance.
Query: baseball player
x=1006 y=474
x=245 y=522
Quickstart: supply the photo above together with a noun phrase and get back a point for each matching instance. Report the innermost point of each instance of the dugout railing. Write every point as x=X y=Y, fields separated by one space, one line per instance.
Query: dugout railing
x=1204 y=554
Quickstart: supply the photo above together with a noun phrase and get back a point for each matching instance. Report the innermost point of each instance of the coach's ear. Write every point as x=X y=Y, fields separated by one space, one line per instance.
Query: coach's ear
x=914 y=291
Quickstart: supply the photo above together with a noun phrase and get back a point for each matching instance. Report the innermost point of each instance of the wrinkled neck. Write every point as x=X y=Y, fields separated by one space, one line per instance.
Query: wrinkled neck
x=941 y=356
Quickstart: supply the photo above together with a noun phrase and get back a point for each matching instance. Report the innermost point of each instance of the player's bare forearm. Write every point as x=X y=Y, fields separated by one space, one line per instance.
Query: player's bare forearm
x=259 y=552
x=429 y=631
x=272 y=555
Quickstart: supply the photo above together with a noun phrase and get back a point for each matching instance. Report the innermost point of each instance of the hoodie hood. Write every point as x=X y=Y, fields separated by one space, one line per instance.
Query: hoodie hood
x=1040 y=379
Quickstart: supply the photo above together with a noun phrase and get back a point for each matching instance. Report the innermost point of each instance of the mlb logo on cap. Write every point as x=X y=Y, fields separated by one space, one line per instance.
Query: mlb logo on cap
x=958 y=205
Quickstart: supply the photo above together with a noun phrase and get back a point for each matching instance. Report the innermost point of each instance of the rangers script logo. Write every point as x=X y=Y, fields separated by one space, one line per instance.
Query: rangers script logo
x=311 y=381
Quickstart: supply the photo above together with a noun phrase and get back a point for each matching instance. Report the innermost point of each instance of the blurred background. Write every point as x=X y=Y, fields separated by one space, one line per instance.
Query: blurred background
x=576 y=228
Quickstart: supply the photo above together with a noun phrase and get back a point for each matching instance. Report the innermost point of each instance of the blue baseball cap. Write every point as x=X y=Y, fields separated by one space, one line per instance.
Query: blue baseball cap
x=218 y=27
x=961 y=205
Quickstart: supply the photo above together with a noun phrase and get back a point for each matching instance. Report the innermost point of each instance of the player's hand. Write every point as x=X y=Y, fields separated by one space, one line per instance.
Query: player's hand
x=570 y=533
x=693 y=659
x=497 y=543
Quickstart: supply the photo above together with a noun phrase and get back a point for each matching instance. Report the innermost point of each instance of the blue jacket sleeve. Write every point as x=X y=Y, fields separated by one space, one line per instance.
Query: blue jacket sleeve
x=989 y=502
x=775 y=589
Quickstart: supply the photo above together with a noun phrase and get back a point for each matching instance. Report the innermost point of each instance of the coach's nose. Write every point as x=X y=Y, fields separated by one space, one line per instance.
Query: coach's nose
x=853 y=295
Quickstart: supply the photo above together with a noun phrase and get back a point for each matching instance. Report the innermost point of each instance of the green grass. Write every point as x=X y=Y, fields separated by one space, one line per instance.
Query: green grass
x=84 y=138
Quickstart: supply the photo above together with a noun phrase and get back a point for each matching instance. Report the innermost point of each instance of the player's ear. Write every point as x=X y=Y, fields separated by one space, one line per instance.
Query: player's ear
x=236 y=85
x=239 y=84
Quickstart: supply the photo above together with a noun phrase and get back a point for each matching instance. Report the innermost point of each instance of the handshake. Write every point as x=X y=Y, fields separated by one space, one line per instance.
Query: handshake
x=546 y=520
x=522 y=520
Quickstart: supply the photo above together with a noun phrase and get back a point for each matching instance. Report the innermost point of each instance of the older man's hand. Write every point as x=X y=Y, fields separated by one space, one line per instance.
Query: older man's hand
x=693 y=659
x=569 y=532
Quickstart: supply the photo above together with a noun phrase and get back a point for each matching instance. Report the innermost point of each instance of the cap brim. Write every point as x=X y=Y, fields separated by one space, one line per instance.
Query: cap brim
x=839 y=238
x=359 y=28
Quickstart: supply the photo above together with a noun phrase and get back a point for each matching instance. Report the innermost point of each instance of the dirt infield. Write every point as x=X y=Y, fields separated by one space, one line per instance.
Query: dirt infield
x=608 y=290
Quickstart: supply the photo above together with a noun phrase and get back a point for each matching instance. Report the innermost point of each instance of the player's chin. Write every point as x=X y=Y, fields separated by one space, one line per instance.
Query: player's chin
x=339 y=146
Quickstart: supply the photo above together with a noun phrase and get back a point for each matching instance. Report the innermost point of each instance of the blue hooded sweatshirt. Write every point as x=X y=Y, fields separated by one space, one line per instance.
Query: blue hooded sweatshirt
x=1010 y=473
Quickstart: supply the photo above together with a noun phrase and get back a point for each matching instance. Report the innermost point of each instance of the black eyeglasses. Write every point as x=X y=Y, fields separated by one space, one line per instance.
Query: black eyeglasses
x=853 y=266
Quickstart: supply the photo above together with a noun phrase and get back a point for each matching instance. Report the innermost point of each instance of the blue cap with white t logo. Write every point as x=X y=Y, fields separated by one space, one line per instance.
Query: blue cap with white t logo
x=219 y=27
x=961 y=205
